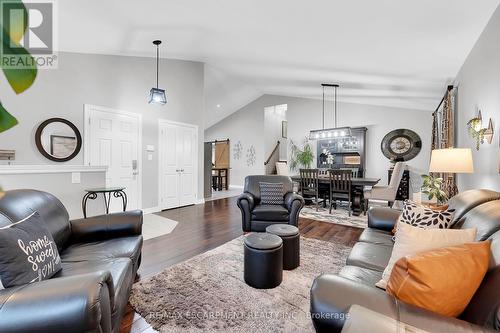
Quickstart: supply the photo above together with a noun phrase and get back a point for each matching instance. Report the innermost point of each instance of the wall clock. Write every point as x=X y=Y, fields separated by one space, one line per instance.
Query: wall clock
x=401 y=145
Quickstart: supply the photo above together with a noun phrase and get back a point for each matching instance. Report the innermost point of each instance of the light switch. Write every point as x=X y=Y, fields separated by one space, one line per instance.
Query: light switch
x=76 y=178
x=150 y=148
x=150 y=157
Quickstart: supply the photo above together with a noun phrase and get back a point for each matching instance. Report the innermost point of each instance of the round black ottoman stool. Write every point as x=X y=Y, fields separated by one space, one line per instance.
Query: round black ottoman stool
x=263 y=267
x=291 y=243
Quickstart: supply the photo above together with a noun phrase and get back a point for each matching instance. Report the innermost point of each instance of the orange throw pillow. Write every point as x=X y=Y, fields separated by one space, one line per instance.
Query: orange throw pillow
x=442 y=280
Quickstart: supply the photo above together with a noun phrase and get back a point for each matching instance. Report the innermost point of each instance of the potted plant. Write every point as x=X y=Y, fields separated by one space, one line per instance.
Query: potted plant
x=301 y=156
x=20 y=77
x=432 y=187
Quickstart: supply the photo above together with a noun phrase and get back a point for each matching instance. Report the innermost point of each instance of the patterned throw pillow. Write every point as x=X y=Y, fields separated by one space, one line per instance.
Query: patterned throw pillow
x=28 y=252
x=271 y=193
x=424 y=217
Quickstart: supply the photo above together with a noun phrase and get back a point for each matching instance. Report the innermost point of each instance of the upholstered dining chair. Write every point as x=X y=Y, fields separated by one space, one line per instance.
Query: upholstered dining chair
x=387 y=193
x=309 y=184
x=282 y=168
x=340 y=187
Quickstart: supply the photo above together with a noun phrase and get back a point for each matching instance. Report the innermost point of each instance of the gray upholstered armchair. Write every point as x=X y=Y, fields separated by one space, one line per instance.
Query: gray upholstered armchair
x=256 y=217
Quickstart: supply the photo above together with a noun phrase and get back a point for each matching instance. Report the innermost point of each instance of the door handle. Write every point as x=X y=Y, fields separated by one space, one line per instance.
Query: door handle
x=182 y=170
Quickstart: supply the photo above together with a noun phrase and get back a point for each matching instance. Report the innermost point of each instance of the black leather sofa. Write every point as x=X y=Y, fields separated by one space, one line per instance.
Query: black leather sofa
x=255 y=216
x=100 y=257
x=332 y=295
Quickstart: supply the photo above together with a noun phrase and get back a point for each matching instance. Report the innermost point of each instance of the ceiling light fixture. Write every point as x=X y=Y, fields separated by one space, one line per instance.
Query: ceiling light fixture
x=157 y=95
x=336 y=131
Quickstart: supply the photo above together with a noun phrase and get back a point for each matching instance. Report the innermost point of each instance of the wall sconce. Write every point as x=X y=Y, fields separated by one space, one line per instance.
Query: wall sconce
x=478 y=133
x=488 y=133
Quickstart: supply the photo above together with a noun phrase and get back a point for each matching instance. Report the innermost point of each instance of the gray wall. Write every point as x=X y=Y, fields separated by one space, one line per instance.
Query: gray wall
x=247 y=127
x=111 y=81
x=479 y=88
x=305 y=114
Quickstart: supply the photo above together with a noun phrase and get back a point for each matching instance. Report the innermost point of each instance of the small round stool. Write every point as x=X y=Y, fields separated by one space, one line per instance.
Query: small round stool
x=291 y=243
x=263 y=263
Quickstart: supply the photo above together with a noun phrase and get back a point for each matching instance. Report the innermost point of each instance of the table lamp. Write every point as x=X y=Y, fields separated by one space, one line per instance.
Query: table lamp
x=451 y=161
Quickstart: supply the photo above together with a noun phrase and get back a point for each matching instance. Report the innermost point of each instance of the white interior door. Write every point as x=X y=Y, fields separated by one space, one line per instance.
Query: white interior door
x=178 y=154
x=113 y=139
x=187 y=155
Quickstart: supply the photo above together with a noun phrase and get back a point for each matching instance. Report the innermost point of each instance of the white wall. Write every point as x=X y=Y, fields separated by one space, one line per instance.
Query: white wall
x=305 y=114
x=273 y=118
x=112 y=81
x=66 y=191
x=479 y=88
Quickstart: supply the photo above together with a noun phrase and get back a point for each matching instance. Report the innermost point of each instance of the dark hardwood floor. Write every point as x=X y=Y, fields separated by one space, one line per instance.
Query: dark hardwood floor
x=207 y=226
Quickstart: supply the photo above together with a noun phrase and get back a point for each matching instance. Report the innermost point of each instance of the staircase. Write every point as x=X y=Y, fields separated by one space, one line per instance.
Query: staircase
x=274 y=157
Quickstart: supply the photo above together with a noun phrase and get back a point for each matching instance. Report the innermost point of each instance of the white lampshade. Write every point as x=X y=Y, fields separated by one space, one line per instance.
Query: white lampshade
x=451 y=160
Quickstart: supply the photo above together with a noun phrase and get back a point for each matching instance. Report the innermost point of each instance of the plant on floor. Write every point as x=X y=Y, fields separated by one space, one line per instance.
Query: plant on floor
x=20 y=76
x=432 y=187
x=301 y=156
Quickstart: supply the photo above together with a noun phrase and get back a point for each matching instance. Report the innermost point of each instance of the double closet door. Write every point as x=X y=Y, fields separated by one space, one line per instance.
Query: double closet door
x=178 y=164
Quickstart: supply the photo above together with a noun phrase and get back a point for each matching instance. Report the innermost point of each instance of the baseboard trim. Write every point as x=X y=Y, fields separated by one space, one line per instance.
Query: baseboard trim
x=200 y=201
x=151 y=210
x=236 y=187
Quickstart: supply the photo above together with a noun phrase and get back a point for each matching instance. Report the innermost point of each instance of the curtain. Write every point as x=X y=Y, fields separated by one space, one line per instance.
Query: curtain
x=443 y=136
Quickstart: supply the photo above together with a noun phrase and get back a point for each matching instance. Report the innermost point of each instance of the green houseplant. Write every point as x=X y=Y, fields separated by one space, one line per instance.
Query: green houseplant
x=301 y=156
x=432 y=187
x=475 y=130
x=20 y=77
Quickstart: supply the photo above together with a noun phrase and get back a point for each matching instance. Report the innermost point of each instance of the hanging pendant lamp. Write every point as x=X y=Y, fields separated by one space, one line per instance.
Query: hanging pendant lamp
x=157 y=95
x=336 y=132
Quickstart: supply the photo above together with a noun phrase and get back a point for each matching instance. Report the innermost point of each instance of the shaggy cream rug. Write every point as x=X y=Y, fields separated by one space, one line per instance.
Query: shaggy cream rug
x=338 y=216
x=208 y=294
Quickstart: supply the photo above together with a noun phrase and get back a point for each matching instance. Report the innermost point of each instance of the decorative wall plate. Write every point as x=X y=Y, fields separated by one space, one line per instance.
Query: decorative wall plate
x=401 y=145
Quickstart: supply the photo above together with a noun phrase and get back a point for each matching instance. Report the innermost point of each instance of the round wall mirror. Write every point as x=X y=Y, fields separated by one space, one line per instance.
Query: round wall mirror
x=58 y=139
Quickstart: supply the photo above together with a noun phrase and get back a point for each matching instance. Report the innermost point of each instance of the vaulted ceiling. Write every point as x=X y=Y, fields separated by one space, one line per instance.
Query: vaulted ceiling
x=398 y=53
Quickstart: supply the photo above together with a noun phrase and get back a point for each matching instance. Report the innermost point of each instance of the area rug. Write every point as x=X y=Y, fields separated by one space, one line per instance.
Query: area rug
x=338 y=216
x=155 y=226
x=208 y=294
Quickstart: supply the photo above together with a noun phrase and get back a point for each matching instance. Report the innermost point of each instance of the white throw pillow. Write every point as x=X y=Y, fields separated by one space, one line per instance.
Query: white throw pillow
x=412 y=240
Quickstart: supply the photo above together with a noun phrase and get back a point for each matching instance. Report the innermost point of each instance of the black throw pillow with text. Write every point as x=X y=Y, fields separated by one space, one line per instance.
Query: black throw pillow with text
x=28 y=252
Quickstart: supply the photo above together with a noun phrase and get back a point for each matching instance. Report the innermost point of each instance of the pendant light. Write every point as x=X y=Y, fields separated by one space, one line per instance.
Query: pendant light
x=327 y=133
x=157 y=95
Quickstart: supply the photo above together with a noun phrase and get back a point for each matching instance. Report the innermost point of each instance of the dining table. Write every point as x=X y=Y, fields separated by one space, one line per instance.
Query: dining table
x=357 y=187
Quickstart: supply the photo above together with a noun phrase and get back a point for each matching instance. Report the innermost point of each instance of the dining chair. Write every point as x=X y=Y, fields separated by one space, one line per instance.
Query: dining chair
x=282 y=168
x=387 y=193
x=340 y=187
x=309 y=184
x=354 y=171
x=215 y=180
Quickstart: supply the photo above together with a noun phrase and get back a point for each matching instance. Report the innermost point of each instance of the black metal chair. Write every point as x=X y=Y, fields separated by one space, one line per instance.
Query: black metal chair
x=340 y=187
x=309 y=184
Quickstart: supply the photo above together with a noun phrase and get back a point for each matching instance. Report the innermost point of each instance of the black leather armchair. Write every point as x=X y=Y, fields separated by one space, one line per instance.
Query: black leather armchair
x=256 y=217
x=99 y=256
